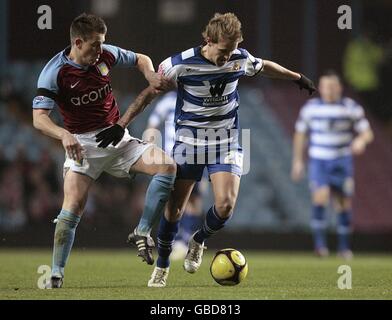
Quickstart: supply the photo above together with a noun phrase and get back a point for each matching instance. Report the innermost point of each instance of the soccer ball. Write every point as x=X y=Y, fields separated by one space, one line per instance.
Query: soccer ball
x=229 y=267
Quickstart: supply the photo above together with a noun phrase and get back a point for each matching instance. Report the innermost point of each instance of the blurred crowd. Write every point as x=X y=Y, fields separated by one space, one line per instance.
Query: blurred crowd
x=367 y=69
x=31 y=176
x=31 y=163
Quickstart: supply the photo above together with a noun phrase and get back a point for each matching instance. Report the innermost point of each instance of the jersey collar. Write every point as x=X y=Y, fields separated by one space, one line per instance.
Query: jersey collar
x=340 y=101
x=66 y=59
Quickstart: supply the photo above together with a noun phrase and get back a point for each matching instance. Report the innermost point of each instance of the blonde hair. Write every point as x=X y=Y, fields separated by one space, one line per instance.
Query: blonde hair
x=226 y=26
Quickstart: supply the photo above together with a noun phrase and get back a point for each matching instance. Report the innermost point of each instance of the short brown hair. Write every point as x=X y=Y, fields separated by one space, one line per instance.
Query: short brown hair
x=86 y=24
x=226 y=26
x=331 y=74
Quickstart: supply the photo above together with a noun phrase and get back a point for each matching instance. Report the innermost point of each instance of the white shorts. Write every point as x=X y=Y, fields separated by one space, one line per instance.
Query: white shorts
x=116 y=161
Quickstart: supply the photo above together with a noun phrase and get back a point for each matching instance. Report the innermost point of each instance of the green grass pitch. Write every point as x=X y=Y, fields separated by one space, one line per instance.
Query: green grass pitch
x=119 y=274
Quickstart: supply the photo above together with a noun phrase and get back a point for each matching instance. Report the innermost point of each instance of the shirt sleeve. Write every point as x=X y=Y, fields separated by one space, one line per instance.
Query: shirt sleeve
x=361 y=124
x=122 y=57
x=47 y=87
x=167 y=69
x=302 y=123
x=253 y=65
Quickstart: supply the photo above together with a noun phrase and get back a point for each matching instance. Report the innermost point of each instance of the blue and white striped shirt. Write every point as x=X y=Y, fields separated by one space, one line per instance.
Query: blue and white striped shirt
x=163 y=113
x=331 y=126
x=207 y=95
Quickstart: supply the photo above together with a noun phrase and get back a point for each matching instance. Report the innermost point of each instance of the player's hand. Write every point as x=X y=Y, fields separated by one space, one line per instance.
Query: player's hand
x=72 y=147
x=159 y=82
x=358 y=146
x=297 y=171
x=305 y=83
x=111 y=135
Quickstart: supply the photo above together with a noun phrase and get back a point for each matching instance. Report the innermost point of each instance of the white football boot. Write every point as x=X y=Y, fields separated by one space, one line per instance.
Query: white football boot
x=194 y=256
x=158 y=277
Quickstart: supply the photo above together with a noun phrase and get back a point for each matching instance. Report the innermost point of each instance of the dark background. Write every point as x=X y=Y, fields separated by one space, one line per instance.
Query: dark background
x=299 y=34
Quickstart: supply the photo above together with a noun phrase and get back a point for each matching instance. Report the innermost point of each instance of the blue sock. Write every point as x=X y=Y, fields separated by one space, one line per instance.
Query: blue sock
x=156 y=197
x=188 y=225
x=64 y=236
x=212 y=224
x=344 y=230
x=319 y=225
x=166 y=233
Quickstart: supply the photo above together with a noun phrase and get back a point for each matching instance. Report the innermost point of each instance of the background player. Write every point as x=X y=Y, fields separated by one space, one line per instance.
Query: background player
x=207 y=127
x=330 y=123
x=163 y=114
x=77 y=81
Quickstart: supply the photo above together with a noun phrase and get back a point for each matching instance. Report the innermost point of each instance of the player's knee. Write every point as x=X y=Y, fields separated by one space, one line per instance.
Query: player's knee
x=177 y=215
x=320 y=198
x=168 y=168
x=75 y=208
x=174 y=213
x=73 y=203
x=347 y=205
x=342 y=205
x=224 y=207
x=320 y=202
x=172 y=168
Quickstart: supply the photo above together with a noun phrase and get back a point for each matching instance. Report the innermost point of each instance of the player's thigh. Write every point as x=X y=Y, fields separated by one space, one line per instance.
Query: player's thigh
x=76 y=187
x=178 y=199
x=321 y=195
x=225 y=186
x=153 y=161
x=319 y=181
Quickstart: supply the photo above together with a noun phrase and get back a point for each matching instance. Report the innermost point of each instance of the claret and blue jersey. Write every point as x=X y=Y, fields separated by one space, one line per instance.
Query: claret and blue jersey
x=331 y=128
x=206 y=115
x=82 y=93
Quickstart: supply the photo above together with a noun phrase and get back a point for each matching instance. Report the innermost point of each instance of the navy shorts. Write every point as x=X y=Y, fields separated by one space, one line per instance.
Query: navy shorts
x=191 y=165
x=337 y=174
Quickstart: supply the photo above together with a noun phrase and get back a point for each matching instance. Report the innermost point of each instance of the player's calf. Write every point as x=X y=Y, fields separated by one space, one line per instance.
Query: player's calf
x=166 y=234
x=169 y=168
x=212 y=224
x=64 y=235
x=224 y=209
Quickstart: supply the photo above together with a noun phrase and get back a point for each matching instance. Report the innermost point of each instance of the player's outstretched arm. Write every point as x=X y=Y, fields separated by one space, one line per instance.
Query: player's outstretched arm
x=42 y=122
x=156 y=80
x=114 y=134
x=273 y=70
x=141 y=102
